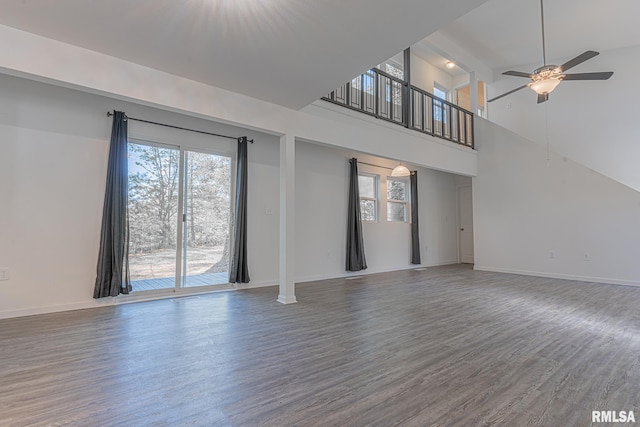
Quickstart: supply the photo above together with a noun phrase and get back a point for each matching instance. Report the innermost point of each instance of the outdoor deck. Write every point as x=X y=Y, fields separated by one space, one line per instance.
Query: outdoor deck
x=192 y=281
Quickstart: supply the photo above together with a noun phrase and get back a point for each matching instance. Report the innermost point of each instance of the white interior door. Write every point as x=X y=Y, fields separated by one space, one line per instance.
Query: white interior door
x=465 y=224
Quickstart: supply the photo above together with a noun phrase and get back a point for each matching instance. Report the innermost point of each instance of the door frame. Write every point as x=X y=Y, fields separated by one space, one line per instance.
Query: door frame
x=459 y=187
x=182 y=148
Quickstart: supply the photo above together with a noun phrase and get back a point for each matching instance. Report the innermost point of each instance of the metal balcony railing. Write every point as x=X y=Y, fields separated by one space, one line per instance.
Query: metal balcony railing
x=386 y=97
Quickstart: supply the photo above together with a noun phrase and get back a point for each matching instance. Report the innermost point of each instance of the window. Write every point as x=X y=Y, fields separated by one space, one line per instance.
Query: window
x=440 y=92
x=393 y=66
x=393 y=90
x=368 y=185
x=394 y=69
x=390 y=90
x=364 y=82
x=396 y=200
x=439 y=111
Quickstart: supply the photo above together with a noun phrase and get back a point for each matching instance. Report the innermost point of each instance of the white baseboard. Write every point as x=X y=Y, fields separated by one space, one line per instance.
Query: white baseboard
x=55 y=308
x=255 y=285
x=285 y=300
x=251 y=285
x=367 y=272
x=605 y=280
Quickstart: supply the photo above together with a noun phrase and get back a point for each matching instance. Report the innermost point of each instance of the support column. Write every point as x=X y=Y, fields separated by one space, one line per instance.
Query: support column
x=473 y=93
x=287 y=219
x=406 y=91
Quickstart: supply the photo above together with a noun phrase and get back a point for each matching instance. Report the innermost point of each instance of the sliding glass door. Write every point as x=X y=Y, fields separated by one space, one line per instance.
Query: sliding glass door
x=179 y=217
x=207 y=210
x=154 y=178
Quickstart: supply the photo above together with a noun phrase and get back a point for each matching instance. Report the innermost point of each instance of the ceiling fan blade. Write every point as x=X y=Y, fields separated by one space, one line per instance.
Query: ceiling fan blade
x=588 y=76
x=578 y=60
x=507 y=93
x=543 y=98
x=517 y=74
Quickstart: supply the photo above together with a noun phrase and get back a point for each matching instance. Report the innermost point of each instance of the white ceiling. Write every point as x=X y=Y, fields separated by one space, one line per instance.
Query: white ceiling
x=426 y=52
x=505 y=34
x=288 y=52
x=291 y=52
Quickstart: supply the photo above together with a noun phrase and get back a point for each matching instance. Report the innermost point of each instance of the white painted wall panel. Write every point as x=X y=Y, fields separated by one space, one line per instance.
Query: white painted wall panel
x=424 y=74
x=541 y=217
x=321 y=209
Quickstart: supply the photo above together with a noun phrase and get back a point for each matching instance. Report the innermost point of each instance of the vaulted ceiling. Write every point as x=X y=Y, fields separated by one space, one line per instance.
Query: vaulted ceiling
x=291 y=52
x=288 y=52
x=507 y=33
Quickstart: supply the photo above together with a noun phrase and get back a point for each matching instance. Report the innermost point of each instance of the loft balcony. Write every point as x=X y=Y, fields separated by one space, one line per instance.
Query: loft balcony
x=393 y=99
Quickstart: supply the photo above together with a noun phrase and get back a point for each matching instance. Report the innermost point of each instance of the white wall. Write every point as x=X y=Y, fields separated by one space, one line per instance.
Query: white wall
x=53 y=156
x=461 y=80
x=34 y=57
x=526 y=207
x=443 y=44
x=591 y=122
x=321 y=205
x=423 y=75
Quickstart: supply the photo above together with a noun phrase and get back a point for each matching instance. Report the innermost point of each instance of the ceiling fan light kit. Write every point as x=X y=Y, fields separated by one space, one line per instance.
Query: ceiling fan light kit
x=545 y=82
x=544 y=87
x=546 y=78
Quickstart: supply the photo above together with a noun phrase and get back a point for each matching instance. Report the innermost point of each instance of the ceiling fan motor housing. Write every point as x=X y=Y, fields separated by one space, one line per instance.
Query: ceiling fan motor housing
x=546 y=72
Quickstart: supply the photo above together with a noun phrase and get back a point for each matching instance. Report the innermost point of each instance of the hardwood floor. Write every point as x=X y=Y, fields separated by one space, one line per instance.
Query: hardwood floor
x=447 y=346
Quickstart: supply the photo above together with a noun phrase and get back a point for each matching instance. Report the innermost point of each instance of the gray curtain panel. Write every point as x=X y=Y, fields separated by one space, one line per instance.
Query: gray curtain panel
x=239 y=268
x=356 y=260
x=113 y=264
x=415 y=229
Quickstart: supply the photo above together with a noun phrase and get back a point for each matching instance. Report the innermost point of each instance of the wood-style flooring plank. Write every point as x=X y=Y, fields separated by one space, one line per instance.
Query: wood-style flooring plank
x=447 y=346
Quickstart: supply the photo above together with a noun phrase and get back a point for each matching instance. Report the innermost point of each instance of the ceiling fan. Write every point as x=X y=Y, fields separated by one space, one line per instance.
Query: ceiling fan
x=545 y=79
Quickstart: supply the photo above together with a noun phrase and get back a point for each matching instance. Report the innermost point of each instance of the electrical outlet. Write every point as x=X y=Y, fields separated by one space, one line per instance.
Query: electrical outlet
x=587 y=257
x=268 y=211
x=4 y=274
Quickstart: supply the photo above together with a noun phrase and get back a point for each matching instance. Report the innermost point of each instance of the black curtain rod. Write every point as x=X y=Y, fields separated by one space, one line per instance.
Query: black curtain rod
x=109 y=114
x=377 y=166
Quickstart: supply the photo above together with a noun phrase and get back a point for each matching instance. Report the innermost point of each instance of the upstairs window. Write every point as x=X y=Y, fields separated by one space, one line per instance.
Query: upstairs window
x=440 y=92
x=392 y=88
x=439 y=110
x=393 y=68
